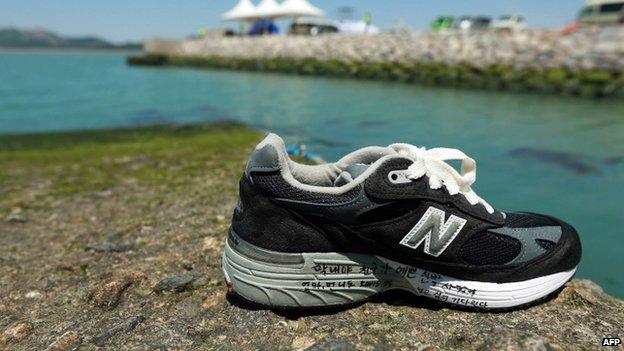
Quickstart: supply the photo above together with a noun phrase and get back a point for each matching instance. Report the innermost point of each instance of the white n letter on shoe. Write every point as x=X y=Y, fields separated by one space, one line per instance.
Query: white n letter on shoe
x=434 y=231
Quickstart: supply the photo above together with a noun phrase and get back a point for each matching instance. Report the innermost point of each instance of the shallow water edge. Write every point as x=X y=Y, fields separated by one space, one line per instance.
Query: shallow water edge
x=591 y=83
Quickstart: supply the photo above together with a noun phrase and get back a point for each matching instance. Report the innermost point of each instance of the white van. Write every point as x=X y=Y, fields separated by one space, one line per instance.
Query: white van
x=603 y=12
x=509 y=22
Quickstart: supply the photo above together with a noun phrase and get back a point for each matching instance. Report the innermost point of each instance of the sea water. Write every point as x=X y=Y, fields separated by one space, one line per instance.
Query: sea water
x=558 y=155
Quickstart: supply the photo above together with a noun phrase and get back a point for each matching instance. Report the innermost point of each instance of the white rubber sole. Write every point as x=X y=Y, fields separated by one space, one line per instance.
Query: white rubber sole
x=333 y=279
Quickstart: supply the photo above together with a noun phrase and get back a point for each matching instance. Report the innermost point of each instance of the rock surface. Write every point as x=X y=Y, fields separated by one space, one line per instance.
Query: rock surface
x=587 y=49
x=70 y=340
x=588 y=63
x=172 y=204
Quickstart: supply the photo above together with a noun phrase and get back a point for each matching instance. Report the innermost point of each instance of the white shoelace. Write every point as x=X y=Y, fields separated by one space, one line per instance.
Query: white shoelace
x=431 y=163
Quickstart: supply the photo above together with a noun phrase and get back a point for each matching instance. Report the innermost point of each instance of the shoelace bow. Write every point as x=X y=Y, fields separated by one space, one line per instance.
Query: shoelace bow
x=431 y=163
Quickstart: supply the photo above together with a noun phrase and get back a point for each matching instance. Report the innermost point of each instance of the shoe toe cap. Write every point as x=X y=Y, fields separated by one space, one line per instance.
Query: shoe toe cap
x=556 y=244
x=567 y=252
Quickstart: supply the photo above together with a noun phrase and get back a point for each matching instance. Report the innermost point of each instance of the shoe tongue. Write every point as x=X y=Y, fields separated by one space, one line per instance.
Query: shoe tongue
x=350 y=173
x=343 y=178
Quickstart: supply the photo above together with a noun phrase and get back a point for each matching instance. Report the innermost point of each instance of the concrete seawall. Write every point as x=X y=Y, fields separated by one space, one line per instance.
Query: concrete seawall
x=589 y=62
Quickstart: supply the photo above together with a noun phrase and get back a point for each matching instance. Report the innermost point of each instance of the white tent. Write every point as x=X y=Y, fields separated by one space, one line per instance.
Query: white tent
x=267 y=9
x=299 y=8
x=243 y=10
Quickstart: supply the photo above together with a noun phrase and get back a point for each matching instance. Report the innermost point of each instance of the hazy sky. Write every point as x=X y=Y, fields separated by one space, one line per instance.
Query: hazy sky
x=121 y=20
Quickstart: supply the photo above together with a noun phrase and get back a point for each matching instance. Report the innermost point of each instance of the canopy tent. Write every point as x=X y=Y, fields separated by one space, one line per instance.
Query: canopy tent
x=243 y=10
x=299 y=8
x=267 y=9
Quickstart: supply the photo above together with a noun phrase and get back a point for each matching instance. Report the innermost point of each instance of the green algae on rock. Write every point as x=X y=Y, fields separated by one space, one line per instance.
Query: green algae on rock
x=592 y=83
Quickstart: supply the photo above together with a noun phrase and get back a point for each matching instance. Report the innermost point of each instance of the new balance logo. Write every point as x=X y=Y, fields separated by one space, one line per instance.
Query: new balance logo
x=434 y=231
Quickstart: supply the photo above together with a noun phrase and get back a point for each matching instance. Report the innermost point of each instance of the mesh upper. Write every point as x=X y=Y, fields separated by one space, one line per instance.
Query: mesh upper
x=274 y=184
x=484 y=248
x=487 y=248
x=545 y=244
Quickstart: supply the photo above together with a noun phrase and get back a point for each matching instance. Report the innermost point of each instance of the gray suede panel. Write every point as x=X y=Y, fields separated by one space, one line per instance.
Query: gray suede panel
x=344 y=212
x=530 y=248
x=265 y=159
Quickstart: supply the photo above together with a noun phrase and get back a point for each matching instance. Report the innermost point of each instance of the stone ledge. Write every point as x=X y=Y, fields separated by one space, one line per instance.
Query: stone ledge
x=589 y=62
x=589 y=83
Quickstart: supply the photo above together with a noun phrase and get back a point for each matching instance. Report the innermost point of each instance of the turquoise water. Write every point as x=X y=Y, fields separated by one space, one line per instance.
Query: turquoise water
x=559 y=155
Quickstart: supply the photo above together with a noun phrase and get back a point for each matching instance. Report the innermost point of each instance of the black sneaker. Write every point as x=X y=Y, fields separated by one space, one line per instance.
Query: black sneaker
x=384 y=218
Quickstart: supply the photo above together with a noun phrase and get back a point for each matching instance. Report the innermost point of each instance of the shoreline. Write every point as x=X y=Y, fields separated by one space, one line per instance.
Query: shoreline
x=562 y=81
x=587 y=63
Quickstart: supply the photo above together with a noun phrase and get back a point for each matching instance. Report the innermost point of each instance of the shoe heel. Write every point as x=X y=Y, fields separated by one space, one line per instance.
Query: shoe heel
x=285 y=280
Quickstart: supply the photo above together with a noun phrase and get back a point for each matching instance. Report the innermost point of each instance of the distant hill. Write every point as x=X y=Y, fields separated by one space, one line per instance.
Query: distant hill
x=40 y=38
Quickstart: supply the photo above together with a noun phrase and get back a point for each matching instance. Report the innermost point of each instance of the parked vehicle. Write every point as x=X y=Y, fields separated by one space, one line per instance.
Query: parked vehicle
x=509 y=22
x=357 y=27
x=442 y=22
x=602 y=12
x=472 y=22
x=312 y=26
x=571 y=28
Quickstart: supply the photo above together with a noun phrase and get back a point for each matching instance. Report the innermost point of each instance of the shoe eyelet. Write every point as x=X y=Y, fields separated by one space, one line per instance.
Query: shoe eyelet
x=398 y=177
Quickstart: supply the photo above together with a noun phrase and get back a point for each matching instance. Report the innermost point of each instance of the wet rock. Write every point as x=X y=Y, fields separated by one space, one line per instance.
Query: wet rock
x=179 y=283
x=123 y=327
x=16 y=333
x=107 y=246
x=107 y=294
x=71 y=340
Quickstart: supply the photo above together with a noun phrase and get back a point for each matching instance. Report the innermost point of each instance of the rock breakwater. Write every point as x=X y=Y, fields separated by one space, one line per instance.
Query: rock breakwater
x=589 y=62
